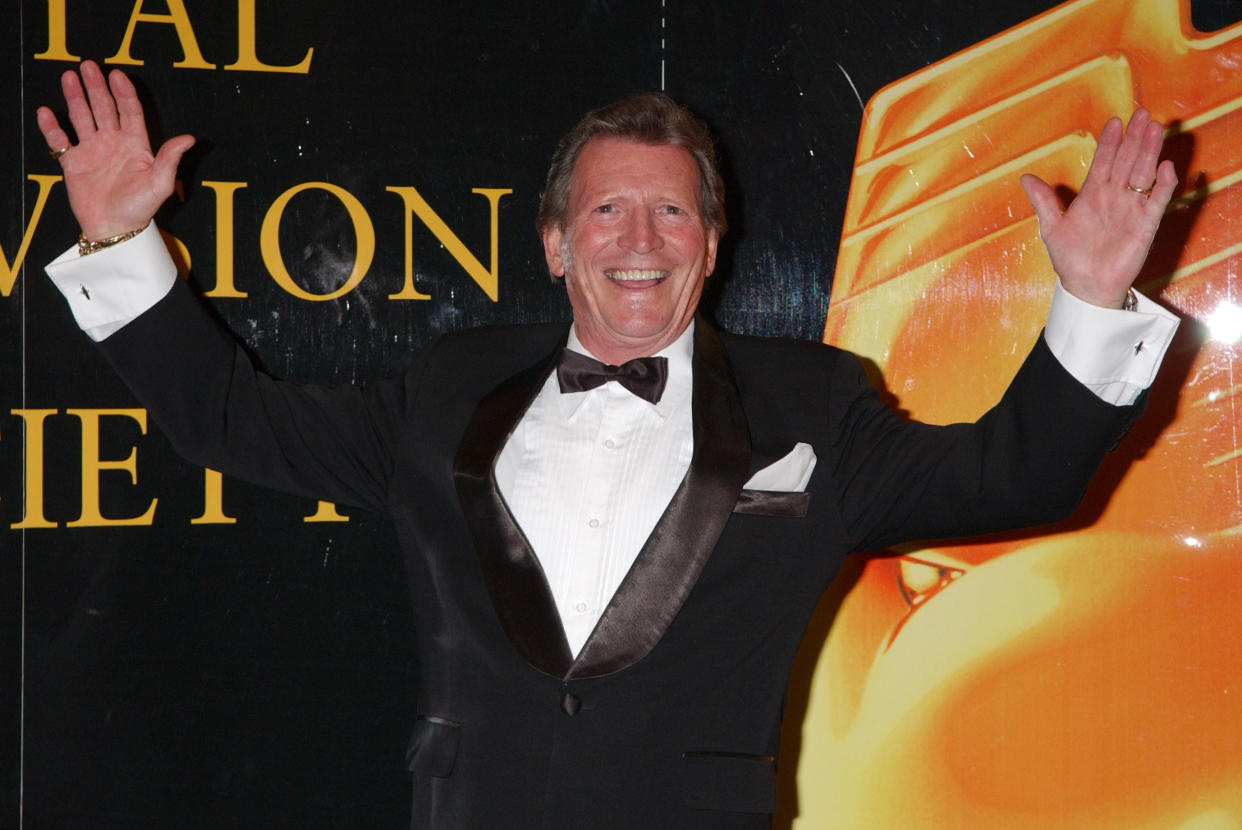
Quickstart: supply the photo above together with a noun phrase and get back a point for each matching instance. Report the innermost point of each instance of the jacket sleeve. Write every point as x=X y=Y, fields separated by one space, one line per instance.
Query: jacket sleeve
x=218 y=410
x=1027 y=461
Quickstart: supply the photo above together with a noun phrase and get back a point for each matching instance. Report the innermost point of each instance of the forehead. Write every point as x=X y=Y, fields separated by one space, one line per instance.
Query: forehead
x=654 y=170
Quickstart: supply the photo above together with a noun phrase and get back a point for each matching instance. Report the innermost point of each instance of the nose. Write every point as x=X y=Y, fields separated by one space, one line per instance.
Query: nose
x=640 y=233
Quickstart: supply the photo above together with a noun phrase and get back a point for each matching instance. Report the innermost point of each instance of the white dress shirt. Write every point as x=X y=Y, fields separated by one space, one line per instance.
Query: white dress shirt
x=588 y=474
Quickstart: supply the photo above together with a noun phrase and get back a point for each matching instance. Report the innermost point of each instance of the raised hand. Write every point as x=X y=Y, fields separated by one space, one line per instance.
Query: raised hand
x=114 y=183
x=1099 y=244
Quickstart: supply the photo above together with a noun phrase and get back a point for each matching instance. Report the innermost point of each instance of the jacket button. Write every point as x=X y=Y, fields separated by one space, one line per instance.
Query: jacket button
x=570 y=704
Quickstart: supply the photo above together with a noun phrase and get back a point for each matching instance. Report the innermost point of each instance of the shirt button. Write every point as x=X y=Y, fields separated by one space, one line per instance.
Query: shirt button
x=581 y=608
x=593 y=523
x=609 y=443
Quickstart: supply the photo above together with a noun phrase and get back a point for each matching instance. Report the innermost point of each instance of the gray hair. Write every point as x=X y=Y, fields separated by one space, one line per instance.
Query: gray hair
x=648 y=118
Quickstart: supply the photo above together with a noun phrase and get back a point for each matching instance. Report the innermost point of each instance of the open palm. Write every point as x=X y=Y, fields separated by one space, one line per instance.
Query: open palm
x=1099 y=244
x=115 y=184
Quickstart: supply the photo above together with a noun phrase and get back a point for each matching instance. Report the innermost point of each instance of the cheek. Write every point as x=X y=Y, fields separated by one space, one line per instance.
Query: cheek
x=693 y=246
x=583 y=297
x=589 y=238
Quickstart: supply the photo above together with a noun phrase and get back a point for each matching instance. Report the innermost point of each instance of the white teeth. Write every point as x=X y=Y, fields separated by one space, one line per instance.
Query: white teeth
x=636 y=274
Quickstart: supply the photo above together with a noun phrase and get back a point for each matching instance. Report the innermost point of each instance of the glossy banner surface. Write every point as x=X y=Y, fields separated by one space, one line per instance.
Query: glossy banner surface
x=1088 y=676
x=179 y=649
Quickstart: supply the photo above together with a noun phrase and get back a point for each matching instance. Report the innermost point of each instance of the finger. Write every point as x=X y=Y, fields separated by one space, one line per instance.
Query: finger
x=1101 y=170
x=1043 y=200
x=1143 y=173
x=102 y=105
x=128 y=107
x=50 y=127
x=75 y=101
x=166 y=160
x=1162 y=189
x=1124 y=172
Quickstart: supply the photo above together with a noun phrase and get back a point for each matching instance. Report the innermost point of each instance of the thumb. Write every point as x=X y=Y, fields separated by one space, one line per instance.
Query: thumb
x=1042 y=199
x=169 y=156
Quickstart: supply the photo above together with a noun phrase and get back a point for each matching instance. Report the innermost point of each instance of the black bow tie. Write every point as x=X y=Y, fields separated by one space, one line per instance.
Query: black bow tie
x=644 y=376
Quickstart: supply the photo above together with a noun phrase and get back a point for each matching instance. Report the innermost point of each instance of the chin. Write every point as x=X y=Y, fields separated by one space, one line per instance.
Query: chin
x=642 y=327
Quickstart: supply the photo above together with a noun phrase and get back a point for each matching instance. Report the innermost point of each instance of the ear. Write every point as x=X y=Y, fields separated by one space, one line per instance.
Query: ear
x=552 y=238
x=713 y=237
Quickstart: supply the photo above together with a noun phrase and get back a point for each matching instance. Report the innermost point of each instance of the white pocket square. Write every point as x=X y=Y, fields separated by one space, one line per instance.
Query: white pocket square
x=789 y=475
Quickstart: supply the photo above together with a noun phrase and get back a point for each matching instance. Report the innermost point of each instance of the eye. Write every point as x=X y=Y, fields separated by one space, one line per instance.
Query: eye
x=673 y=210
x=605 y=209
x=920 y=578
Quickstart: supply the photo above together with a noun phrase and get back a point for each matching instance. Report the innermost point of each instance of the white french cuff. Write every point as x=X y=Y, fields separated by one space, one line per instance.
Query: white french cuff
x=791 y=474
x=111 y=287
x=1113 y=353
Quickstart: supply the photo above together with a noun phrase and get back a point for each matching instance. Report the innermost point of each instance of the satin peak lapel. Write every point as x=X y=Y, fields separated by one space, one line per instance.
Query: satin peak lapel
x=674 y=555
x=671 y=560
x=515 y=579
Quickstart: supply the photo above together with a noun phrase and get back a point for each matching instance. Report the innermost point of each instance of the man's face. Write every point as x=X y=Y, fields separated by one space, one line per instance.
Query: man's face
x=634 y=250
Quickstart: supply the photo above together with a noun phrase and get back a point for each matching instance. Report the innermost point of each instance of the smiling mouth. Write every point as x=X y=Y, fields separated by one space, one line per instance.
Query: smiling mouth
x=636 y=274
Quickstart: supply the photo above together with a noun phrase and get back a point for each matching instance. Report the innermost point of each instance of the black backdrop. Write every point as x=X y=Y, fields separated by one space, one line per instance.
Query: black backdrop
x=259 y=673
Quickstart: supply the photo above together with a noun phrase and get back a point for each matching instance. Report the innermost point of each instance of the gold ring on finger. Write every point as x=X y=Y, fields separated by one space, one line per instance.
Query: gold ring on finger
x=1142 y=191
x=56 y=154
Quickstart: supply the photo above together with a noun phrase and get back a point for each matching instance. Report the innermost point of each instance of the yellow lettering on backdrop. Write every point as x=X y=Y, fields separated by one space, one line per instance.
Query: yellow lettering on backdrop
x=408 y=291
x=487 y=279
x=57 y=48
x=176 y=248
x=213 y=501
x=326 y=512
x=178 y=251
x=8 y=273
x=33 y=462
x=269 y=241
x=247 y=57
x=224 y=238
x=192 y=58
x=93 y=466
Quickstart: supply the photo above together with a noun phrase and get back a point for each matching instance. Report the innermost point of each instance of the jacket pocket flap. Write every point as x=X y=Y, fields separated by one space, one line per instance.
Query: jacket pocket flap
x=730 y=781
x=773 y=503
x=433 y=747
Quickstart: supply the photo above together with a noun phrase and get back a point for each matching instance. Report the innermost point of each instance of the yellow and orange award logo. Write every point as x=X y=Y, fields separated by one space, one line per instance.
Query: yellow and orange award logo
x=1090 y=677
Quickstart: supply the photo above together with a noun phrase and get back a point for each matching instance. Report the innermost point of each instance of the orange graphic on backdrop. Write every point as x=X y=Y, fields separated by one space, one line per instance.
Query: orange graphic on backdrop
x=1091 y=677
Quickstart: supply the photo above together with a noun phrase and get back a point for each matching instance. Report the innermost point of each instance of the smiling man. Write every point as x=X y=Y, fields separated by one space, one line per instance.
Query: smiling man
x=633 y=247
x=616 y=532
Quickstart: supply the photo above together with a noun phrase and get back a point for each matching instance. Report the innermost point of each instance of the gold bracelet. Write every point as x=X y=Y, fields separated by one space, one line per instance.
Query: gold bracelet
x=85 y=246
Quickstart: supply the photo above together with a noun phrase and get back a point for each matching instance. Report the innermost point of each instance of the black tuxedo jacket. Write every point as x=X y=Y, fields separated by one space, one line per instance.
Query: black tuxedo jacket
x=669 y=717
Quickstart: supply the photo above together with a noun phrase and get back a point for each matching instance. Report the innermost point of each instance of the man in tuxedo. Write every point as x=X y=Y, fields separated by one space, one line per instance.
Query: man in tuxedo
x=616 y=533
